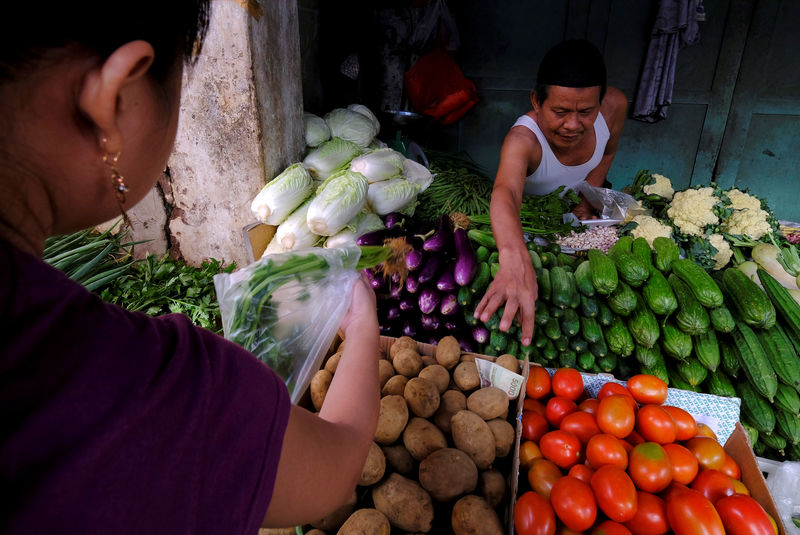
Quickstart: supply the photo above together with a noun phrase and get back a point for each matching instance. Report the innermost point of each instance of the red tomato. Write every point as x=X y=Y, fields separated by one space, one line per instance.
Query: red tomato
x=650 y=517
x=731 y=468
x=713 y=484
x=610 y=388
x=528 y=451
x=646 y=388
x=564 y=530
x=614 y=492
x=685 y=425
x=690 y=513
x=567 y=383
x=606 y=449
x=627 y=445
x=672 y=489
x=542 y=475
x=634 y=438
x=533 y=515
x=649 y=467
x=589 y=405
x=704 y=431
x=538 y=385
x=655 y=424
x=740 y=487
x=534 y=405
x=581 y=424
x=534 y=425
x=684 y=463
x=708 y=451
x=574 y=503
x=742 y=515
x=615 y=415
x=557 y=407
x=561 y=447
x=609 y=527
x=582 y=472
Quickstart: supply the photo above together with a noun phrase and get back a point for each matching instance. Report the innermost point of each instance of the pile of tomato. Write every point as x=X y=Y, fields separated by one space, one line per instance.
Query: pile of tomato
x=624 y=463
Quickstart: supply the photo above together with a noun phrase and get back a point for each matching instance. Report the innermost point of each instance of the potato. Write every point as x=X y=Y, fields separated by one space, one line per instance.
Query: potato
x=438 y=375
x=489 y=402
x=394 y=386
x=503 y=436
x=365 y=522
x=447 y=474
x=385 y=371
x=428 y=360
x=509 y=362
x=319 y=387
x=314 y=531
x=421 y=438
x=405 y=503
x=374 y=466
x=333 y=362
x=492 y=486
x=337 y=518
x=467 y=358
x=451 y=402
x=404 y=342
x=392 y=419
x=407 y=362
x=466 y=376
x=471 y=434
x=398 y=459
x=277 y=531
x=448 y=352
x=422 y=397
x=472 y=515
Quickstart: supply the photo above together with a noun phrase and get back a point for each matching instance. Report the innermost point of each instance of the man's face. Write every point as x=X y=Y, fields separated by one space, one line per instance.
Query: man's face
x=567 y=114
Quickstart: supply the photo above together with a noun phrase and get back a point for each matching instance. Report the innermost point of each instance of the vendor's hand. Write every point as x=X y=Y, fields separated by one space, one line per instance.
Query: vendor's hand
x=515 y=285
x=363 y=311
x=584 y=210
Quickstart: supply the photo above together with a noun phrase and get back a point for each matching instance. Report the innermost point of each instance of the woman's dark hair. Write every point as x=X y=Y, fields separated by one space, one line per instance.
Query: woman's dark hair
x=571 y=63
x=31 y=31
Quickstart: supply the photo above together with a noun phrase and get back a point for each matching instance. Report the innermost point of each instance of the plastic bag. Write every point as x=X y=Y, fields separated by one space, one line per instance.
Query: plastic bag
x=436 y=86
x=784 y=487
x=286 y=308
x=611 y=204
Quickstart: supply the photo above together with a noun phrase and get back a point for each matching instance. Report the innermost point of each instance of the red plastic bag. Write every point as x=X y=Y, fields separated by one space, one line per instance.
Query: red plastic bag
x=436 y=86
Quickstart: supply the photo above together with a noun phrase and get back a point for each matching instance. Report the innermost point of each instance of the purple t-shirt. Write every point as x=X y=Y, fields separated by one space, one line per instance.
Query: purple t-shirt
x=116 y=422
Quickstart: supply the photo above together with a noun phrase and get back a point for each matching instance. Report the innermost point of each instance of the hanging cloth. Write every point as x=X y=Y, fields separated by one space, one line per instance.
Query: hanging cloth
x=675 y=28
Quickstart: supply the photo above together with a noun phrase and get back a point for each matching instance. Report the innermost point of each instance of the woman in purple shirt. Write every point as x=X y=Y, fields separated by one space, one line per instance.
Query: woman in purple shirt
x=113 y=421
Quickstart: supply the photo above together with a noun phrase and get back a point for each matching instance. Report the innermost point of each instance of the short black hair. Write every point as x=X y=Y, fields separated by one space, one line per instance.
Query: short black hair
x=30 y=30
x=571 y=63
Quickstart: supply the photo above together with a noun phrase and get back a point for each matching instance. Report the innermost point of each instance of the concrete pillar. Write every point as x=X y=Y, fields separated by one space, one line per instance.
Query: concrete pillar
x=240 y=125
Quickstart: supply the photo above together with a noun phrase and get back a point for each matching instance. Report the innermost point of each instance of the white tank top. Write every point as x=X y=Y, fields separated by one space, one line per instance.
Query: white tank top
x=551 y=173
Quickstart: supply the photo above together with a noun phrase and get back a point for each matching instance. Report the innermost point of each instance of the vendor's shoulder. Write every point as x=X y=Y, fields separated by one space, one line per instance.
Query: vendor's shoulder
x=615 y=103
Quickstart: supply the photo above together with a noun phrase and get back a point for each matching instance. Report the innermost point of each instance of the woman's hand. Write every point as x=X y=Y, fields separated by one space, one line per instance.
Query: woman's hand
x=363 y=310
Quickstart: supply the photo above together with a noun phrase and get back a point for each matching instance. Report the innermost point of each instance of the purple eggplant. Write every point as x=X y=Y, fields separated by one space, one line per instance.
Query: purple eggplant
x=409 y=329
x=396 y=290
x=387 y=329
x=396 y=277
x=414 y=259
x=430 y=269
x=433 y=340
x=407 y=303
x=446 y=281
x=376 y=281
x=442 y=237
x=429 y=299
x=466 y=262
x=393 y=313
x=375 y=237
x=466 y=344
x=480 y=334
x=412 y=283
x=394 y=219
x=429 y=322
x=449 y=305
x=450 y=325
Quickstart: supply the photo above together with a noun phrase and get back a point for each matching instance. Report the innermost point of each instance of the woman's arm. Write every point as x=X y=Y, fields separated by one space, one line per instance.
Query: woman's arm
x=323 y=455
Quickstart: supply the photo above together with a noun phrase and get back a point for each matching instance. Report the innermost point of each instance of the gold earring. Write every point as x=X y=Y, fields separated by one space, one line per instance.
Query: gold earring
x=117 y=181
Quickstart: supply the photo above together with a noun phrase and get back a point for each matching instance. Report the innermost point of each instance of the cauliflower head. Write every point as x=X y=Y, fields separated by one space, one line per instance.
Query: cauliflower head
x=693 y=209
x=661 y=187
x=650 y=228
x=724 y=251
x=741 y=200
x=750 y=222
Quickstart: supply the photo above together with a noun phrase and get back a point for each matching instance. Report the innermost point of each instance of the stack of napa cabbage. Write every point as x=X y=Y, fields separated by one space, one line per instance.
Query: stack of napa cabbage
x=346 y=182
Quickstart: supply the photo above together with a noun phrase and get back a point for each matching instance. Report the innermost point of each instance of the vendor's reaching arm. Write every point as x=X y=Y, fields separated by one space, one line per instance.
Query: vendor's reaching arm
x=614 y=109
x=515 y=282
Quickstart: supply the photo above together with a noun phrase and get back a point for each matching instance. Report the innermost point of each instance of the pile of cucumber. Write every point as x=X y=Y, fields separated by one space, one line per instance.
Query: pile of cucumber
x=639 y=309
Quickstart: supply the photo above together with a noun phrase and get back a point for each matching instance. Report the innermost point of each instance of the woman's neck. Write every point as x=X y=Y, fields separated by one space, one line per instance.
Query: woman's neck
x=25 y=217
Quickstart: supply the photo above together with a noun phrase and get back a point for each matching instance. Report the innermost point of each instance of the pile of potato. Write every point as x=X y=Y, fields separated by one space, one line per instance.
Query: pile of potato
x=433 y=464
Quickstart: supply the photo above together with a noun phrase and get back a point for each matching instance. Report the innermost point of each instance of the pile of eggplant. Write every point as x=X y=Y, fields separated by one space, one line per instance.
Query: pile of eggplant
x=425 y=306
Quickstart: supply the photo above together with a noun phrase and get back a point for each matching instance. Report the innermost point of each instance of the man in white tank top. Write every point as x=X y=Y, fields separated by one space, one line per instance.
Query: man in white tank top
x=569 y=136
